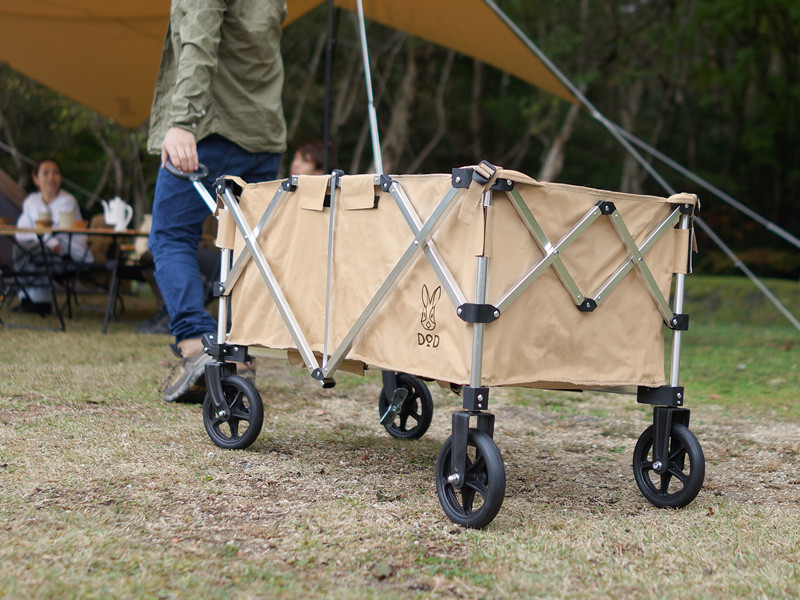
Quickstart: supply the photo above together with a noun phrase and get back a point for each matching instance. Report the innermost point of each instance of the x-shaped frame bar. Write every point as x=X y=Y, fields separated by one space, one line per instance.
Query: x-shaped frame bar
x=552 y=256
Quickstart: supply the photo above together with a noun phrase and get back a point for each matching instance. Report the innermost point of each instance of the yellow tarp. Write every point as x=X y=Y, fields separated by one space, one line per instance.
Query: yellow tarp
x=105 y=54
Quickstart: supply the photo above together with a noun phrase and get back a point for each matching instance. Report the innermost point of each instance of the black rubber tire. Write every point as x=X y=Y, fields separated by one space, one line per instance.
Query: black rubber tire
x=485 y=482
x=681 y=482
x=418 y=407
x=245 y=406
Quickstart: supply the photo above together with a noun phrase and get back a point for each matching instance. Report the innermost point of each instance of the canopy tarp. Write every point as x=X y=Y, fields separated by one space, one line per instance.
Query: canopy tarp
x=105 y=54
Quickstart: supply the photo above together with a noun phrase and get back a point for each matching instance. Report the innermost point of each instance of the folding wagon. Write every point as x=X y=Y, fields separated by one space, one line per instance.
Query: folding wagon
x=476 y=279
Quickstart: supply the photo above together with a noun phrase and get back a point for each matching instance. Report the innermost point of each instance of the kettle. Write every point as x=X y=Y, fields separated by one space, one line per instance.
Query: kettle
x=117 y=213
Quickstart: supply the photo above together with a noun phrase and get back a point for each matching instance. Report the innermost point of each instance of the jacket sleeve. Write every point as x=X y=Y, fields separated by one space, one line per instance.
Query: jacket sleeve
x=199 y=32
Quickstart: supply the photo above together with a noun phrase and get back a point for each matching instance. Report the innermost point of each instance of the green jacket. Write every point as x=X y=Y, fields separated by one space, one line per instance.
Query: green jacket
x=222 y=72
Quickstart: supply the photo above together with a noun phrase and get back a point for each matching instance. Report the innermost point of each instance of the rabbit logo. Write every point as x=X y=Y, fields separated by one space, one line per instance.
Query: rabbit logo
x=428 y=318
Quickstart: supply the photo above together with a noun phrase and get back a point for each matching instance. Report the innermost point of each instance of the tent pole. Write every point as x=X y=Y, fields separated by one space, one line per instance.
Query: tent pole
x=333 y=18
x=373 y=117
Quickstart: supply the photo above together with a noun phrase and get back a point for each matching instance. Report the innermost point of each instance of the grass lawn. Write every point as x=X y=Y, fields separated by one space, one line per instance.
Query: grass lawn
x=108 y=492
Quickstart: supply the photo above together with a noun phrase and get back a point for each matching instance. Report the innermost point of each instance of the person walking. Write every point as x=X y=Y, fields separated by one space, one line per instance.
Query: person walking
x=217 y=102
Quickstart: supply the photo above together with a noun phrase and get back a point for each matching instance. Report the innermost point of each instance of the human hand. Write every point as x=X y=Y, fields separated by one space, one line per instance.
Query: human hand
x=180 y=148
x=55 y=249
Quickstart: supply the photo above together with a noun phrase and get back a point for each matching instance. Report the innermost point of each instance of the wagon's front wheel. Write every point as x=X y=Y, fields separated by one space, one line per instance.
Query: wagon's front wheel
x=479 y=499
x=676 y=483
x=241 y=424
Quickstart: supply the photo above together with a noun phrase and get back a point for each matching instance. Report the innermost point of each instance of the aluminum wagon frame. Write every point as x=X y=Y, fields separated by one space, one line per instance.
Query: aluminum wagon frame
x=668 y=462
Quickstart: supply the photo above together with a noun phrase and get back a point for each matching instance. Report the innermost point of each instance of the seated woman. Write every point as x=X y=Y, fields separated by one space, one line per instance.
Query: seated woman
x=49 y=201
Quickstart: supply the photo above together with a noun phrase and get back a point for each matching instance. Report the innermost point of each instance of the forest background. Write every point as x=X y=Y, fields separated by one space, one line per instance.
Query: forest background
x=714 y=84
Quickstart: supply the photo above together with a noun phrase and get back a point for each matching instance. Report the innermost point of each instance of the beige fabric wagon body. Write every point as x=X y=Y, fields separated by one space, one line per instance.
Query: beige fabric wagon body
x=540 y=339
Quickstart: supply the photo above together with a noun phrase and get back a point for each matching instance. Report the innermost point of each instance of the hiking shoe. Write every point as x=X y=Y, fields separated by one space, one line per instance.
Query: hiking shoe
x=189 y=385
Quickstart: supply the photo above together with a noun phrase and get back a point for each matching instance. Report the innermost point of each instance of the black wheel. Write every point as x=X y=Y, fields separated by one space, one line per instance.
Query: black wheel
x=241 y=426
x=685 y=470
x=415 y=415
x=480 y=498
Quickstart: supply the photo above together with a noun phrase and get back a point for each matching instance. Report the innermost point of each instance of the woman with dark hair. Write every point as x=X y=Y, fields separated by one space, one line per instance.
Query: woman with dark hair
x=46 y=206
x=309 y=159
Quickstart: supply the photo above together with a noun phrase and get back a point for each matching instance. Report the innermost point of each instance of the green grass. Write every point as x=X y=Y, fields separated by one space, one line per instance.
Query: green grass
x=747 y=367
x=740 y=352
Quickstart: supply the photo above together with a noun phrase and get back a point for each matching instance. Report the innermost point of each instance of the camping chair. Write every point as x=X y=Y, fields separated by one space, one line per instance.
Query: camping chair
x=21 y=268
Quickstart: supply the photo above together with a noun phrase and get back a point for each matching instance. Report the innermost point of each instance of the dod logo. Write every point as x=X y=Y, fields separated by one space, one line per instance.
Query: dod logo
x=428 y=319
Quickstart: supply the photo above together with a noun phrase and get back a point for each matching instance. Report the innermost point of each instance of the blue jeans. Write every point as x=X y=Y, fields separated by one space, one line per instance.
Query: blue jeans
x=178 y=215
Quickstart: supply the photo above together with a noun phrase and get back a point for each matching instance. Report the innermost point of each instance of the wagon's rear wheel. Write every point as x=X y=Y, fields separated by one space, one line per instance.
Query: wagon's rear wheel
x=676 y=483
x=412 y=418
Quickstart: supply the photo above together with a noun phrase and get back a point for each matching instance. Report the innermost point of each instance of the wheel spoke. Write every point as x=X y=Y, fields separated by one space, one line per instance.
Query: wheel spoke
x=236 y=400
x=677 y=453
x=478 y=486
x=467 y=497
x=665 y=480
x=403 y=418
x=234 y=425
x=242 y=414
x=476 y=468
x=680 y=475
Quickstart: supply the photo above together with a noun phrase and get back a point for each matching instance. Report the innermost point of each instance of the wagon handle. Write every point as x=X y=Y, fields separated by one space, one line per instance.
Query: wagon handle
x=201 y=174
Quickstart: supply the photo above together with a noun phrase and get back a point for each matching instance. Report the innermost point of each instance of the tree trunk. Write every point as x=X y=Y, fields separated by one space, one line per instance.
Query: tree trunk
x=441 y=114
x=554 y=160
x=396 y=137
x=631 y=181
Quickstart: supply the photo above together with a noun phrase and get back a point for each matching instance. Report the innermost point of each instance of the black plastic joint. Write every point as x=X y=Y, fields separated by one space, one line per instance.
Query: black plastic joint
x=476 y=398
x=478 y=313
x=336 y=178
x=587 y=305
x=686 y=209
x=222 y=352
x=210 y=345
x=386 y=183
x=666 y=395
x=607 y=208
x=223 y=184
x=502 y=185
x=218 y=289
x=679 y=322
x=288 y=186
x=461 y=178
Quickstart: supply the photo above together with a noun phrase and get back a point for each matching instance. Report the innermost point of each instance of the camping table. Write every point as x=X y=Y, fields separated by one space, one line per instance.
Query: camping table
x=114 y=265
